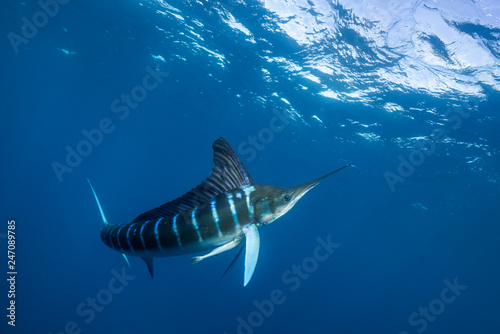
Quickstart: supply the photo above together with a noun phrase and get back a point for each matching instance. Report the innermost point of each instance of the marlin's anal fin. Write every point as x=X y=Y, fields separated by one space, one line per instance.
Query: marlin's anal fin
x=149 y=263
x=252 y=250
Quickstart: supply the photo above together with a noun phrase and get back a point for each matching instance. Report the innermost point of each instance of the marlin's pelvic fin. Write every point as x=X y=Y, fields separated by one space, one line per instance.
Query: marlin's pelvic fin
x=221 y=249
x=234 y=261
x=252 y=250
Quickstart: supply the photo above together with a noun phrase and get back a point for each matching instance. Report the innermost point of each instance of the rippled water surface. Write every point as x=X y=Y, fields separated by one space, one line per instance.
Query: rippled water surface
x=132 y=94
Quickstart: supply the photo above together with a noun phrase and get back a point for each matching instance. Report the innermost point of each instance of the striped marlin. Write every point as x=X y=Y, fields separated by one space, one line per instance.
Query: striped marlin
x=219 y=214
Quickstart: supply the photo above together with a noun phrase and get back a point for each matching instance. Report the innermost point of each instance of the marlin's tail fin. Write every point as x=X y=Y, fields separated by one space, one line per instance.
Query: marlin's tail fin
x=105 y=221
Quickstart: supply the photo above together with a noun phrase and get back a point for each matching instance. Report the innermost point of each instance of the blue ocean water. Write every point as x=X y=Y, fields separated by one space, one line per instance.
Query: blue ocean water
x=132 y=94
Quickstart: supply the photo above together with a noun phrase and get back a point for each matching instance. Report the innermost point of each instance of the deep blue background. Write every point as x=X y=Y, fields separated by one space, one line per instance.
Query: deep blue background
x=396 y=249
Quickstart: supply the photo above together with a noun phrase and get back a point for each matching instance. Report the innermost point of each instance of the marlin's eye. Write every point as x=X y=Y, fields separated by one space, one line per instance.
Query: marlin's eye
x=287 y=198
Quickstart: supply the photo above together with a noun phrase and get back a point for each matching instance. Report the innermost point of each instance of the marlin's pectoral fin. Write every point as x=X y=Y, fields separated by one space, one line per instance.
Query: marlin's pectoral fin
x=221 y=249
x=252 y=251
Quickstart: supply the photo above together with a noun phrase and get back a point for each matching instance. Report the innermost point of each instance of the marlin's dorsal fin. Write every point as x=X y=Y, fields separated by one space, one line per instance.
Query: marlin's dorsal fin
x=228 y=173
